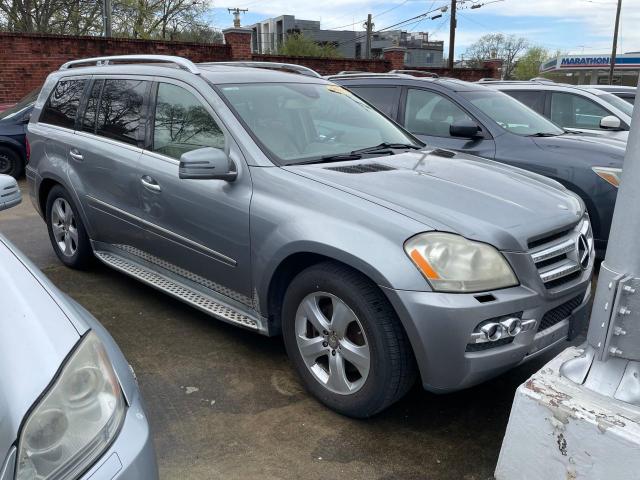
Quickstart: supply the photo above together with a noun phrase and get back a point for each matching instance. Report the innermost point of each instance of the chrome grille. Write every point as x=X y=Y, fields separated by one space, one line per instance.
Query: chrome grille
x=560 y=258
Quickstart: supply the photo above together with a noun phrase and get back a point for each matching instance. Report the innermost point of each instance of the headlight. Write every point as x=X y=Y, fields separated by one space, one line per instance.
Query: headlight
x=75 y=420
x=451 y=263
x=609 y=174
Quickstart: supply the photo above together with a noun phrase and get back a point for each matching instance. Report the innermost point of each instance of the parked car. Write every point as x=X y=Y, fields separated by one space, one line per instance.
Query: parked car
x=626 y=93
x=284 y=204
x=573 y=107
x=472 y=118
x=13 y=140
x=69 y=404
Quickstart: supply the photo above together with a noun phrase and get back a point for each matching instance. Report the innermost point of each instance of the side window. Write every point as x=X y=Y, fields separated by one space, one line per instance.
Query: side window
x=531 y=98
x=573 y=111
x=88 y=123
x=384 y=99
x=182 y=123
x=429 y=113
x=62 y=105
x=120 y=115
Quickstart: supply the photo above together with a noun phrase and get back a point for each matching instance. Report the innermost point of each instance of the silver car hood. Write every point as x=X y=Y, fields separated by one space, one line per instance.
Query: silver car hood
x=35 y=338
x=478 y=198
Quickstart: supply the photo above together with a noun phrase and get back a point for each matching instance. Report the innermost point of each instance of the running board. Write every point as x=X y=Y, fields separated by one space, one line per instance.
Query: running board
x=206 y=303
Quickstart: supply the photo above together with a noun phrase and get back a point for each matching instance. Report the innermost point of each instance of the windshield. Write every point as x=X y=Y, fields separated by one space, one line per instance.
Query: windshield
x=25 y=102
x=622 y=105
x=303 y=122
x=512 y=115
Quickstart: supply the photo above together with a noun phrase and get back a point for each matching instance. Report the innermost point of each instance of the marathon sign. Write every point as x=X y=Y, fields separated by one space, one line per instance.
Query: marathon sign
x=628 y=61
x=573 y=62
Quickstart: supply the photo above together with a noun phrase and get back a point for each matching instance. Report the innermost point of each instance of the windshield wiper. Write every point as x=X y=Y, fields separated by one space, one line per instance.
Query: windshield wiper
x=543 y=134
x=385 y=146
x=342 y=157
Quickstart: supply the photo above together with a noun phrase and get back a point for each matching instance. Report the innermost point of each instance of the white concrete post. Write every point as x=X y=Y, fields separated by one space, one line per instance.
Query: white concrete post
x=579 y=417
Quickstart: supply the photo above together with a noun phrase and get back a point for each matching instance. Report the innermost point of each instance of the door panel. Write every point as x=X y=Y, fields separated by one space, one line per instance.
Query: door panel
x=429 y=114
x=104 y=160
x=201 y=226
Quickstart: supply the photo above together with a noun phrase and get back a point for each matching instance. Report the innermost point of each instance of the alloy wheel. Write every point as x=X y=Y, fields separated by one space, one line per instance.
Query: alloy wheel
x=63 y=225
x=332 y=343
x=5 y=164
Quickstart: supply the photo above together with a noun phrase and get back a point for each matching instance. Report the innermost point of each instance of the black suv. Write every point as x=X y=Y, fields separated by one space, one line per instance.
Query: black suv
x=469 y=117
x=13 y=139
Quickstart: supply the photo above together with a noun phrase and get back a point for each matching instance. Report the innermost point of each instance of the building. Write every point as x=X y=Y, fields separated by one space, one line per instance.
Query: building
x=593 y=69
x=270 y=33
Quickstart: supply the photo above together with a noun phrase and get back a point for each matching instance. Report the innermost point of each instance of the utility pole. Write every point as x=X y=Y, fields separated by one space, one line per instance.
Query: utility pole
x=615 y=43
x=106 y=17
x=369 y=27
x=236 y=15
x=452 y=33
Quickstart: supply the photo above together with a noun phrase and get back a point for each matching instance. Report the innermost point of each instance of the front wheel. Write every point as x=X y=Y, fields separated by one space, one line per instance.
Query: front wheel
x=345 y=340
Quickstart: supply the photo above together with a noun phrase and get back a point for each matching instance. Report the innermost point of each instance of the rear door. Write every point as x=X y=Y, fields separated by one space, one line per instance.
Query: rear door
x=428 y=114
x=198 y=229
x=104 y=158
x=384 y=98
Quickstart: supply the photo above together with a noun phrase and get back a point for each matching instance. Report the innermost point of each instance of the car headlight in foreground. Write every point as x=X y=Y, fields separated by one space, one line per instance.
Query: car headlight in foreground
x=75 y=420
x=451 y=263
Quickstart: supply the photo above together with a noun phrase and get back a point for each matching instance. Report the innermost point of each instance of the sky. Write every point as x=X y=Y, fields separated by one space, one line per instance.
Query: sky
x=572 y=26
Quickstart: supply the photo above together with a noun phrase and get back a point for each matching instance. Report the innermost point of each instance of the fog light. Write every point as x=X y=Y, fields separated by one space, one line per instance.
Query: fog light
x=512 y=326
x=492 y=331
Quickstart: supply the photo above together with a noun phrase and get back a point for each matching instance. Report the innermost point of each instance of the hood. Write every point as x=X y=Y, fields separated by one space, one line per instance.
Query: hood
x=608 y=150
x=36 y=338
x=480 y=199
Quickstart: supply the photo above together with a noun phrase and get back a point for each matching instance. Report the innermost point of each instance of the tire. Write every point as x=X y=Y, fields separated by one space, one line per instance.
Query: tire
x=10 y=162
x=362 y=321
x=66 y=231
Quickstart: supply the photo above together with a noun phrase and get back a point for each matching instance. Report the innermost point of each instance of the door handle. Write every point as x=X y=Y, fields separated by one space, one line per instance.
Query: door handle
x=75 y=154
x=149 y=183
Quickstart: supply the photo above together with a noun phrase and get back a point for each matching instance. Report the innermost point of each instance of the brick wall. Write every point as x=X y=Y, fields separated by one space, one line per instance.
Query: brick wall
x=26 y=60
x=328 y=66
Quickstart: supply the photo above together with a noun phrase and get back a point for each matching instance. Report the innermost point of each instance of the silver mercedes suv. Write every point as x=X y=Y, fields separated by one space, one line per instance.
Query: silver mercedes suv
x=284 y=204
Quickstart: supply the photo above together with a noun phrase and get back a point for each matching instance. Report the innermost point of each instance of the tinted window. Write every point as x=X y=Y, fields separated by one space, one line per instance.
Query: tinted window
x=383 y=98
x=182 y=123
x=62 y=105
x=572 y=111
x=91 y=110
x=429 y=113
x=532 y=99
x=120 y=115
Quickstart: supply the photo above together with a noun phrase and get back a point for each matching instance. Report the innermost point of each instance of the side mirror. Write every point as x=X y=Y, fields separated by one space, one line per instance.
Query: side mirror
x=464 y=129
x=9 y=192
x=207 y=164
x=610 y=122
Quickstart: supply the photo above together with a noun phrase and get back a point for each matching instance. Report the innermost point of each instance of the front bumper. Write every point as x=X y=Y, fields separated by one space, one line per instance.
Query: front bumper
x=439 y=326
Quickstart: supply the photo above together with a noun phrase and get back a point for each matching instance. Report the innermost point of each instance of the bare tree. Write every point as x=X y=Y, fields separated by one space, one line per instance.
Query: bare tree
x=498 y=46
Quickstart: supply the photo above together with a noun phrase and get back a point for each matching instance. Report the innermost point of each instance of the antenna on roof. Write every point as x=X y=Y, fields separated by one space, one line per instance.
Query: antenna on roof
x=236 y=15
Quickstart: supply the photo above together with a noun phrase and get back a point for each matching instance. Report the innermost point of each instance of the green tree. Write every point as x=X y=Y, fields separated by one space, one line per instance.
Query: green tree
x=297 y=45
x=528 y=65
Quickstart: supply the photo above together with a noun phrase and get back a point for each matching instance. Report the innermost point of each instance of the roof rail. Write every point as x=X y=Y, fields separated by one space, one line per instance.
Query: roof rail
x=416 y=73
x=181 y=62
x=285 y=67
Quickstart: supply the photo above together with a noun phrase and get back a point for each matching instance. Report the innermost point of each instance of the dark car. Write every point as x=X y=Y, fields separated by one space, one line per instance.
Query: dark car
x=469 y=117
x=13 y=139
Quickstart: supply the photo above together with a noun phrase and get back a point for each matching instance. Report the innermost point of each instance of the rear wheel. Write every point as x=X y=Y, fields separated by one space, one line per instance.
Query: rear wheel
x=66 y=230
x=346 y=341
x=10 y=162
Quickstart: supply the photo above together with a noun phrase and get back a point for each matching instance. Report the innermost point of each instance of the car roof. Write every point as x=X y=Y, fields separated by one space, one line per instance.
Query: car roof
x=452 y=84
x=537 y=85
